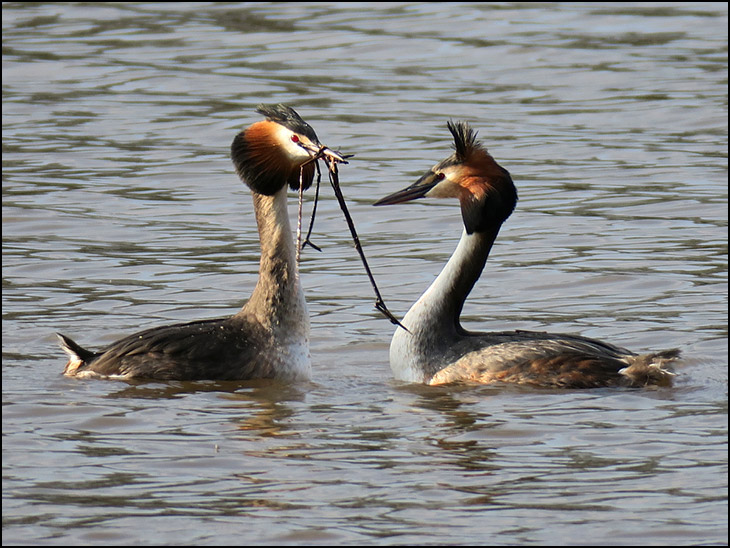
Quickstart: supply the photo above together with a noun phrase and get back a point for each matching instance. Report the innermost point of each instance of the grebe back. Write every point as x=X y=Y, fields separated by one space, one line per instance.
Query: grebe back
x=436 y=349
x=269 y=336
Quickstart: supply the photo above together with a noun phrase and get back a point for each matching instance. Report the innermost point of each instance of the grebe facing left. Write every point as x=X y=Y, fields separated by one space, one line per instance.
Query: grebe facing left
x=269 y=336
x=436 y=349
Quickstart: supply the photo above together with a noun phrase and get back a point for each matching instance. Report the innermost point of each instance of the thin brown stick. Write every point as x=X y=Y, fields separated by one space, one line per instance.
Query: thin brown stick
x=335 y=182
x=333 y=158
x=308 y=239
x=299 y=217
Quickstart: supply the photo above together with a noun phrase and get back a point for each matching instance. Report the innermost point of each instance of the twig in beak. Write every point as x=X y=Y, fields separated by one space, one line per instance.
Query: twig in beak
x=299 y=216
x=307 y=240
x=332 y=158
x=328 y=155
x=335 y=181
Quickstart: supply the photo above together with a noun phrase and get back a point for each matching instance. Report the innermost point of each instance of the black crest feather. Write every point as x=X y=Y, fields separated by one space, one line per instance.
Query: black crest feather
x=287 y=117
x=465 y=139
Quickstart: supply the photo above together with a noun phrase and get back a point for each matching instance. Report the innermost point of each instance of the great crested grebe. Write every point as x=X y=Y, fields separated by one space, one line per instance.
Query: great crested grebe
x=436 y=349
x=269 y=336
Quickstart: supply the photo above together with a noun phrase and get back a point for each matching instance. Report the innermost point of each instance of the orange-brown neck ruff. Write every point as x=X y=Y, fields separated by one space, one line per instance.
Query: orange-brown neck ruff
x=488 y=196
x=261 y=162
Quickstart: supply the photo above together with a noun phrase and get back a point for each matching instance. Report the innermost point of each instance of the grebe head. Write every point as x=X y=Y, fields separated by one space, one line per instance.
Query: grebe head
x=484 y=188
x=269 y=154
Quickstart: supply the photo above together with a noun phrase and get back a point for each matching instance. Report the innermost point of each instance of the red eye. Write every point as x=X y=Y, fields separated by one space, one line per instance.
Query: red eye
x=440 y=176
x=295 y=138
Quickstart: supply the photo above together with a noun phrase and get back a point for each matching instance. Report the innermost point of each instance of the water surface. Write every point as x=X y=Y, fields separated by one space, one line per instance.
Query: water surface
x=121 y=211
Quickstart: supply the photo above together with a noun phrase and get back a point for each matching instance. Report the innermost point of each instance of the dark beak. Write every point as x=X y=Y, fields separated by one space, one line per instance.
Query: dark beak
x=417 y=190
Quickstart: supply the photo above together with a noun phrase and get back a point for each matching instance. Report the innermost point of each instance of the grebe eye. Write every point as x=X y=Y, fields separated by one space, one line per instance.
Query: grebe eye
x=440 y=176
x=295 y=138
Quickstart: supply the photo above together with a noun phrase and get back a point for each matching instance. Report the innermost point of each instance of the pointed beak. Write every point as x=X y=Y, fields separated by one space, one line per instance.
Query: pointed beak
x=417 y=190
x=318 y=150
x=313 y=147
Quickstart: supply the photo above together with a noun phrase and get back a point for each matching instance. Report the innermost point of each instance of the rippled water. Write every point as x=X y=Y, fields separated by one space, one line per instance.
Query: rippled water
x=121 y=211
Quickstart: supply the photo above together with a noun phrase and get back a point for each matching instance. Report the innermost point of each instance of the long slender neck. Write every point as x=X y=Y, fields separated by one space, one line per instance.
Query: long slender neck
x=437 y=312
x=433 y=321
x=278 y=300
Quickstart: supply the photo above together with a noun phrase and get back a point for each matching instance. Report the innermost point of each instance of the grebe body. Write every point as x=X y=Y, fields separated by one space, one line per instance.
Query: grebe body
x=269 y=336
x=436 y=349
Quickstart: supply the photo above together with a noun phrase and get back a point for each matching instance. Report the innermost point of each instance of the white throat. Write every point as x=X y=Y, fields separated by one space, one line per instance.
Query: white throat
x=433 y=319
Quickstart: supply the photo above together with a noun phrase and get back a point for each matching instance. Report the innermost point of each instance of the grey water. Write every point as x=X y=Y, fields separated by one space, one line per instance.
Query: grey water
x=121 y=211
